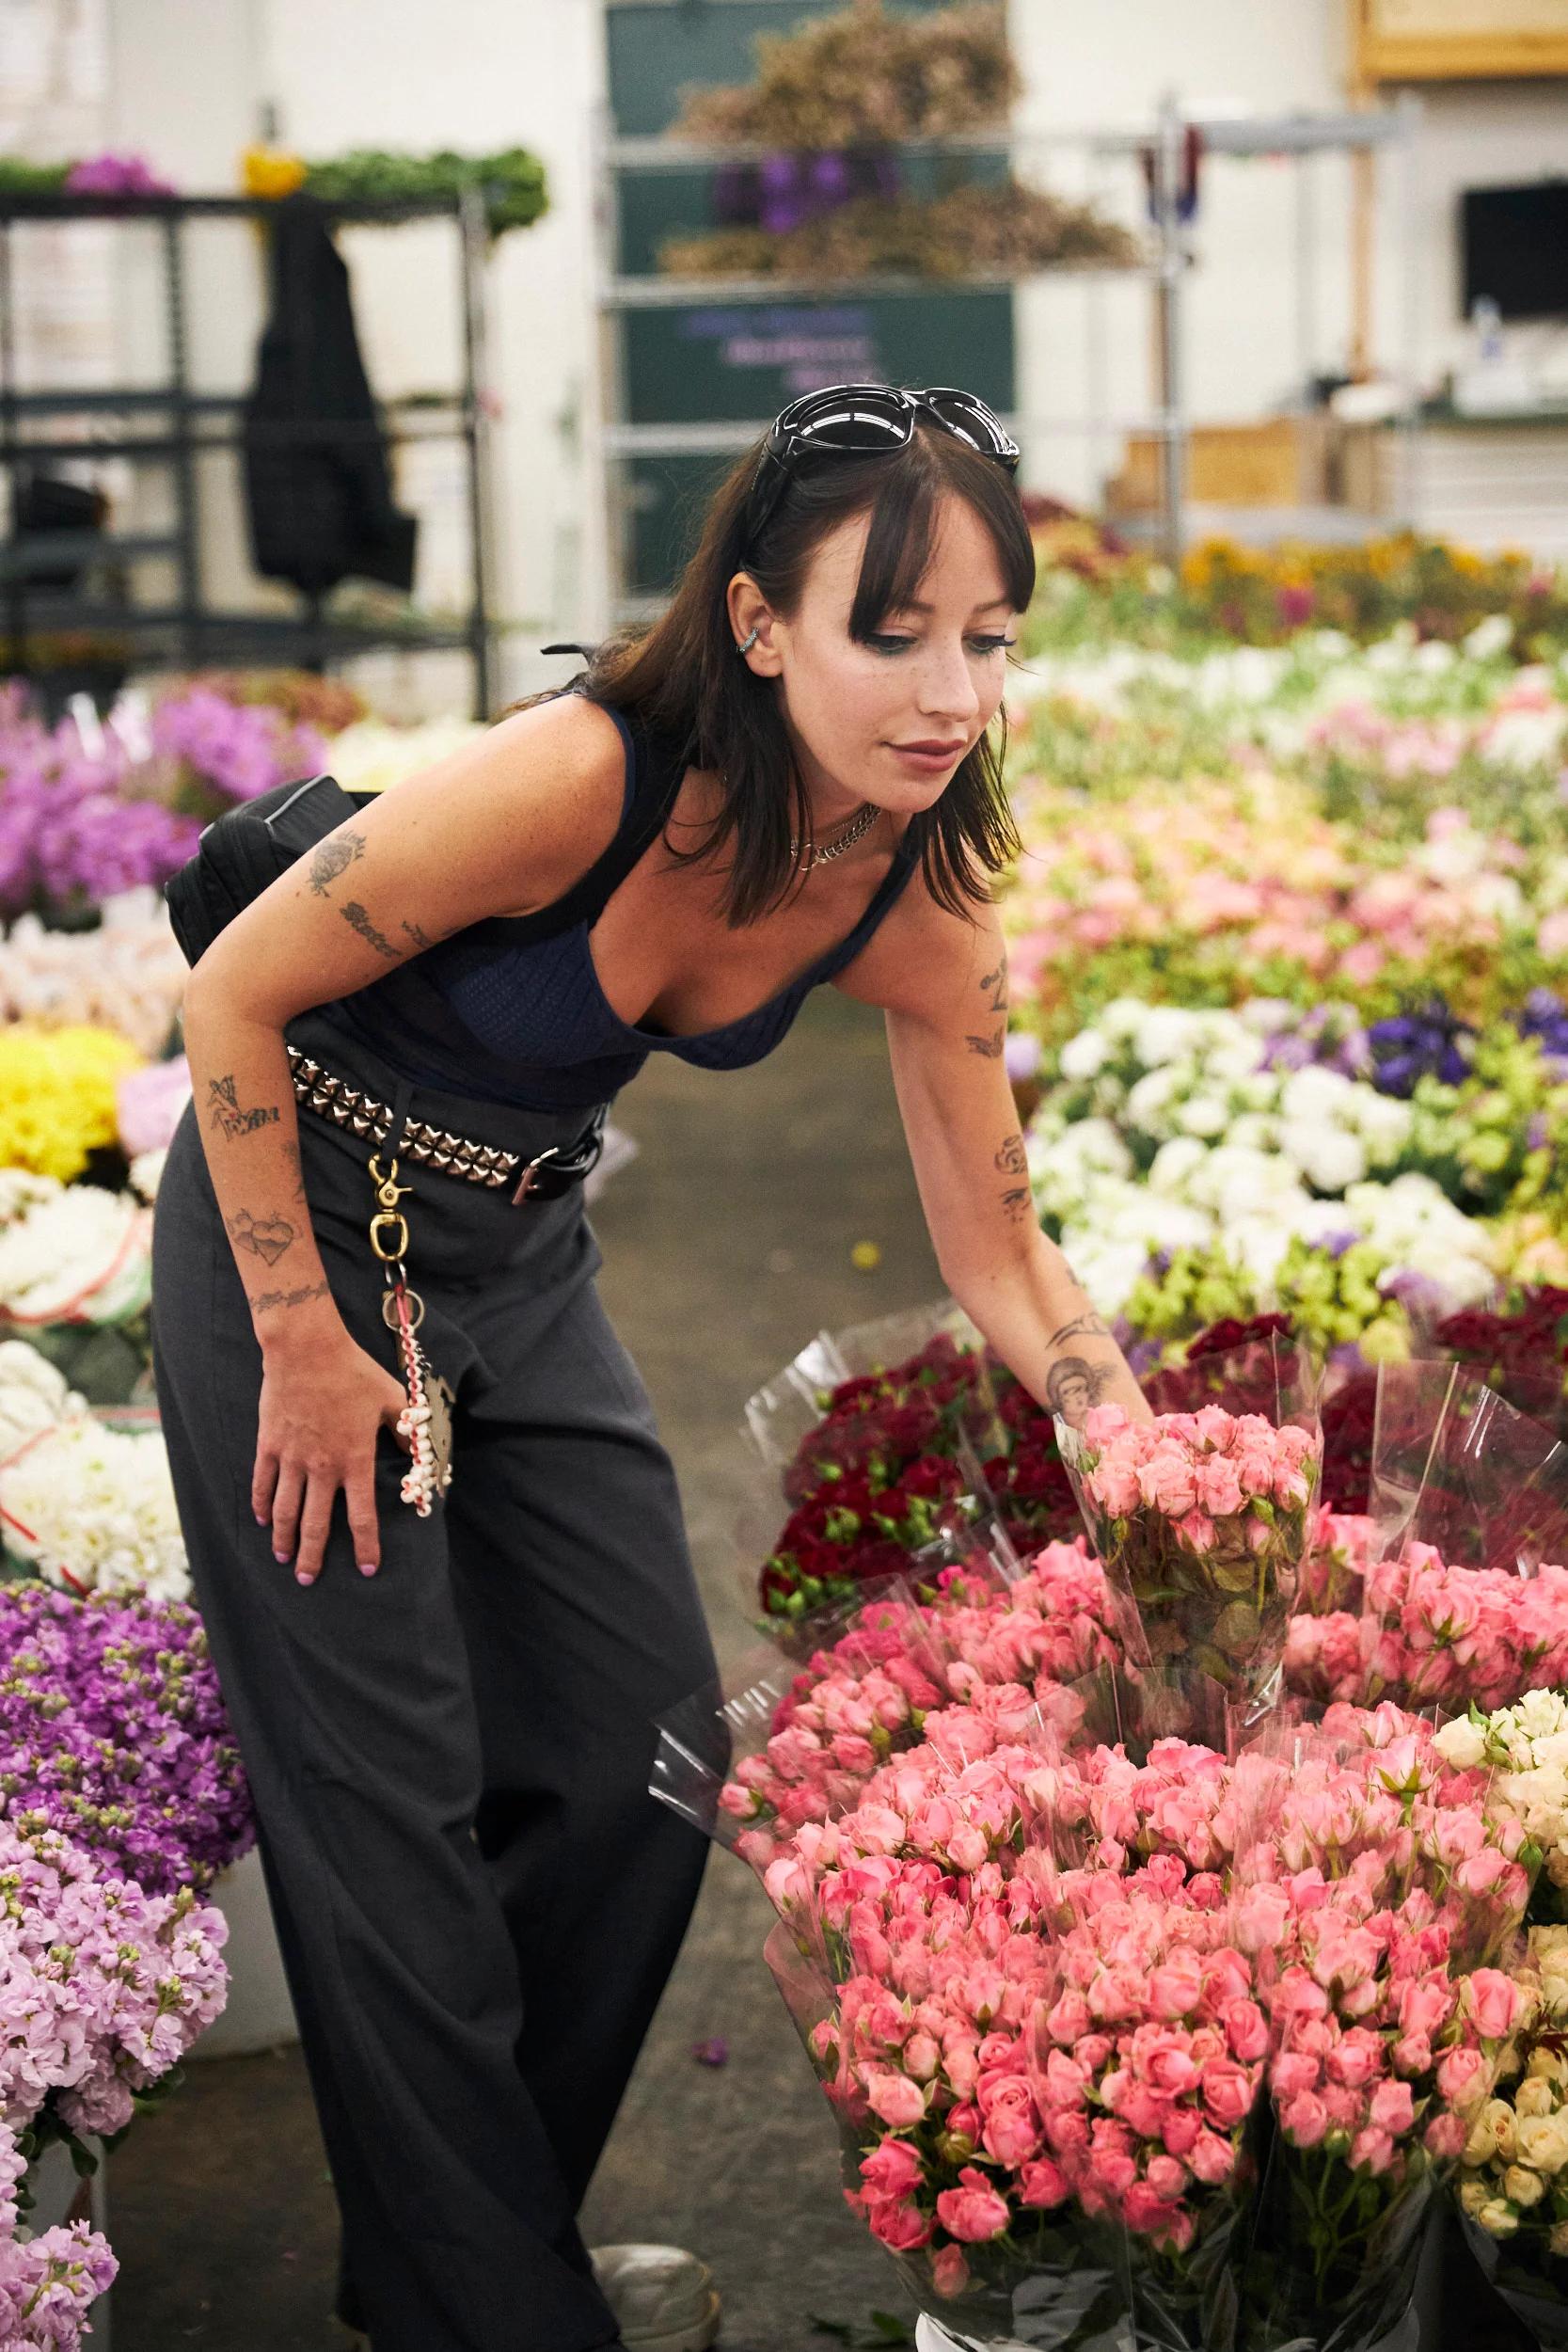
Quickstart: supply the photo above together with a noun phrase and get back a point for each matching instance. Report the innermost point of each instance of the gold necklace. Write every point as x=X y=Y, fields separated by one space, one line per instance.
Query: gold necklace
x=856 y=830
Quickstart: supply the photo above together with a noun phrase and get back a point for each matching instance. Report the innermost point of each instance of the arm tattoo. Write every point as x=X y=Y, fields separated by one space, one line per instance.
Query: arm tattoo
x=420 y=938
x=995 y=986
x=989 y=1046
x=225 y=1115
x=1018 y=1205
x=355 y=915
x=290 y=1298
x=265 y=1237
x=1088 y=1325
x=1073 y=1385
x=1012 y=1160
x=334 y=856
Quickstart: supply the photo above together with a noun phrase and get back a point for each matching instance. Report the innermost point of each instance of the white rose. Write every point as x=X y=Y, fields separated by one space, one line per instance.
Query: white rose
x=1534 y=2097
x=1461 y=1743
x=1498 y=2220
x=1540 y=2142
x=1522 y=2186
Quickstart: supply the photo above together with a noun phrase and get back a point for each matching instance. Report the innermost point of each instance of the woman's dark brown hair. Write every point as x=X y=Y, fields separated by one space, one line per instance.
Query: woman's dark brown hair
x=681 y=677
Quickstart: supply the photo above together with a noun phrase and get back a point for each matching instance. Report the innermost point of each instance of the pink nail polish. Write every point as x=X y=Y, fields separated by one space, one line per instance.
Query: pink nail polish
x=367 y=1568
x=260 y=1518
x=302 y=1575
x=281 y=1558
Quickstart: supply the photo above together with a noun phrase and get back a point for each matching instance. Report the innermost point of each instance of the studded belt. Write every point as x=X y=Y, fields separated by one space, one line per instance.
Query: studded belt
x=545 y=1177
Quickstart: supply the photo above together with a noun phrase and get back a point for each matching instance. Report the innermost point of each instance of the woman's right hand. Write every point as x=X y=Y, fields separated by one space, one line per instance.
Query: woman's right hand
x=324 y=1403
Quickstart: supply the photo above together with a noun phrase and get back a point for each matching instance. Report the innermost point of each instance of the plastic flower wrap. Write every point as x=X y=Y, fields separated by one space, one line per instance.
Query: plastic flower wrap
x=1203 y=1519
x=72 y=1253
x=91 y=1507
x=1514 y=2184
x=869 y=1441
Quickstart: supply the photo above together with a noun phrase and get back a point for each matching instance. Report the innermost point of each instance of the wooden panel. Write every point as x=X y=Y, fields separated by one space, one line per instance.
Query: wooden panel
x=1434 y=40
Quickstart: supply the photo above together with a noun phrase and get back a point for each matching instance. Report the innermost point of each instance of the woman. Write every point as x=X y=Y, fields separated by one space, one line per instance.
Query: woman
x=447 y=1715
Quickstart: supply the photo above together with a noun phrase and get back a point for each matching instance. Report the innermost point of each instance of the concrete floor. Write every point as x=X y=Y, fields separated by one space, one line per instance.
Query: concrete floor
x=727 y=1246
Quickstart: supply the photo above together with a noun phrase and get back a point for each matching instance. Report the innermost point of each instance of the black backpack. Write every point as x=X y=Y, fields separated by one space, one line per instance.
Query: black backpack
x=239 y=852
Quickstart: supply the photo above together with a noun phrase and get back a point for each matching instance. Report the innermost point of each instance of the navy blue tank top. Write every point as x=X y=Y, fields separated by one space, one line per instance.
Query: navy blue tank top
x=511 y=1010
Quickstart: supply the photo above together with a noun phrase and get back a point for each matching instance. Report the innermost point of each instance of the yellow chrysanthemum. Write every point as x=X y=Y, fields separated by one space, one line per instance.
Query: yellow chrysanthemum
x=57 y=1096
x=271 y=171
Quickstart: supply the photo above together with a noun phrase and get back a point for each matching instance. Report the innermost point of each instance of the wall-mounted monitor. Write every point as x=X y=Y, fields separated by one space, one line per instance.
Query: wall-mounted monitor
x=1515 y=245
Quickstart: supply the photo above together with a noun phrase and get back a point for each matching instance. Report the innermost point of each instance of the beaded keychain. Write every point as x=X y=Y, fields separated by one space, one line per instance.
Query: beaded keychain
x=426 y=1418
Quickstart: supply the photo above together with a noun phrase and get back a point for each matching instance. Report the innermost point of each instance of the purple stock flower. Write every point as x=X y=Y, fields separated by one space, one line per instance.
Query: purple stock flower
x=114 y=1733
x=1335 y=1243
x=243 y=749
x=1431 y=1042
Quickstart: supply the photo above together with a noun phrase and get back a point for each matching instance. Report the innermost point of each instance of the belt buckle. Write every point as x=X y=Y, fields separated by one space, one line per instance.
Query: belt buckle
x=528 y=1185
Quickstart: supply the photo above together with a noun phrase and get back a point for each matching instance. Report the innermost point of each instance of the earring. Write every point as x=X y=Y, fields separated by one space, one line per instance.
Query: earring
x=752 y=640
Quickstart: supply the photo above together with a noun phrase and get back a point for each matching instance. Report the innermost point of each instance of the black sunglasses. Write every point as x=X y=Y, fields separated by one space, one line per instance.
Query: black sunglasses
x=861 y=420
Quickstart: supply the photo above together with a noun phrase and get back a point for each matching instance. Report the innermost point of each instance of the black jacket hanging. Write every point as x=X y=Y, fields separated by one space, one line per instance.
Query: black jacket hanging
x=319 y=502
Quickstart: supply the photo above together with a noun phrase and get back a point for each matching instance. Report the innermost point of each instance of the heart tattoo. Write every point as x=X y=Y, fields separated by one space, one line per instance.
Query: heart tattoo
x=265 y=1237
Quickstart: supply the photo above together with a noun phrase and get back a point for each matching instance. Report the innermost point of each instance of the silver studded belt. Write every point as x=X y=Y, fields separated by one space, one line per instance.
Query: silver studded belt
x=545 y=1177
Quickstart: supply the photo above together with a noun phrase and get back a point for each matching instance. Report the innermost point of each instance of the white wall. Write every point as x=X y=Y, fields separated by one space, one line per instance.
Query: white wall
x=475 y=73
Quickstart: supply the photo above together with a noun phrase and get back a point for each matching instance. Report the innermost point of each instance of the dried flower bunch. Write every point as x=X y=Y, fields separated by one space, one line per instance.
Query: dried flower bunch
x=971 y=231
x=863 y=77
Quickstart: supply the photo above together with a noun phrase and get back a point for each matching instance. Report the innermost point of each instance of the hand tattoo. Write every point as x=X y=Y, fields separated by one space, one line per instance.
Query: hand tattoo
x=265 y=1237
x=1073 y=1385
x=355 y=914
x=334 y=856
x=1088 y=1326
x=1012 y=1159
x=289 y=1299
x=989 y=1046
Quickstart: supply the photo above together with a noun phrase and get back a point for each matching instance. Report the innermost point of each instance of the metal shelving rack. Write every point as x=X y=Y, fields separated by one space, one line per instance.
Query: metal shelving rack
x=1297 y=137
x=170 y=424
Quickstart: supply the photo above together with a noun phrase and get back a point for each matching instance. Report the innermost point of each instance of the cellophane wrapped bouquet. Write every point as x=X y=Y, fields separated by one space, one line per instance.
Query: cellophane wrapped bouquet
x=1139 y=2040
x=1202 y=1520
x=872 y=1439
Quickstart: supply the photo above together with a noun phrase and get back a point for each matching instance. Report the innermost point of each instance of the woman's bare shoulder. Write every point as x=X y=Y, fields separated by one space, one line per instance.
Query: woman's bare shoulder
x=523 y=810
x=922 y=955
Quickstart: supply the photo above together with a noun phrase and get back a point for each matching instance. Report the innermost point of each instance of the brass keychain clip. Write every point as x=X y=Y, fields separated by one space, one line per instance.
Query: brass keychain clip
x=388 y=1192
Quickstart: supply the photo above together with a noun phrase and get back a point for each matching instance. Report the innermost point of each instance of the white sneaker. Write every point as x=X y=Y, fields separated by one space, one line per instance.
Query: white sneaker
x=664 y=2298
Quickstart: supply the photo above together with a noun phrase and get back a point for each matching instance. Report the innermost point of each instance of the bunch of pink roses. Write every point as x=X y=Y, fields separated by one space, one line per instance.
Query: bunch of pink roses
x=1378 y=1892
x=1203 y=1519
x=1431 y=1629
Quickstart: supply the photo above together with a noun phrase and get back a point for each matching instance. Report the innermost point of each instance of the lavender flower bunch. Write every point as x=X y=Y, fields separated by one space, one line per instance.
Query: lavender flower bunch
x=113 y=1732
x=71 y=832
x=103 y=1987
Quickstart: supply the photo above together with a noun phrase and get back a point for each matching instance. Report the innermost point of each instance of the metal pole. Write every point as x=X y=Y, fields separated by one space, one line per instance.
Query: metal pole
x=1167 y=182
x=1307 y=308
x=10 y=446
x=472 y=243
x=187 y=531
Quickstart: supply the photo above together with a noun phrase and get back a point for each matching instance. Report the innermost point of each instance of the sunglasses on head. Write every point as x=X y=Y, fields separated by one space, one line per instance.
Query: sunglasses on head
x=862 y=421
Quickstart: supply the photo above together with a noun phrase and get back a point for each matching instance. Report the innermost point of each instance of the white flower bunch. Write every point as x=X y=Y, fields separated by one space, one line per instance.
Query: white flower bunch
x=33 y=1396
x=1527 y=1746
x=1516 y=2169
x=1413 y=1224
x=91 y=1508
x=71 y=1252
x=370 y=755
x=128 y=974
x=1160 y=1073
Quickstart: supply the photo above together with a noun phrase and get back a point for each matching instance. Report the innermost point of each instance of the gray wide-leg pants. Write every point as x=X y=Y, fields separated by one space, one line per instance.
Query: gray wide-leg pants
x=477 y=1900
